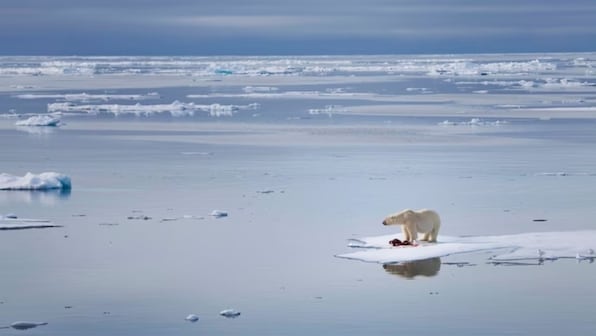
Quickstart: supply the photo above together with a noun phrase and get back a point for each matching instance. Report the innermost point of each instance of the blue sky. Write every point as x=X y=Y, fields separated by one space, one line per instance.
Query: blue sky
x=279 y=27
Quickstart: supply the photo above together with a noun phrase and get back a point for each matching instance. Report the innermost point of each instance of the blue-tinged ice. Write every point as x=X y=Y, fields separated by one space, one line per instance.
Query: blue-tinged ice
x=43 y=181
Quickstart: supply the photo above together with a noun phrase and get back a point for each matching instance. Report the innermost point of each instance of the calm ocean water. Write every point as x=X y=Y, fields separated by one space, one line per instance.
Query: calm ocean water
x=139 y=250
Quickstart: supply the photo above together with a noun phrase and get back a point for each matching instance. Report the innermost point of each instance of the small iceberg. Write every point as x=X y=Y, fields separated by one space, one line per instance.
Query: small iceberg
x=229 y=313
x=192 y=318
x=219 y=214
x=40 y=120
x=43 y=181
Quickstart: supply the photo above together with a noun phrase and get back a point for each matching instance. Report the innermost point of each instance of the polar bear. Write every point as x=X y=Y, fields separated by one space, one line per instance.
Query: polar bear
x=414 y=221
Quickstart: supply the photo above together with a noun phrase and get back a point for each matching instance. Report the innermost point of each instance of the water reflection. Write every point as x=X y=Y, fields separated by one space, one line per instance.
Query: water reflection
x=37 y=130
x=47 y=197
x=409 y=270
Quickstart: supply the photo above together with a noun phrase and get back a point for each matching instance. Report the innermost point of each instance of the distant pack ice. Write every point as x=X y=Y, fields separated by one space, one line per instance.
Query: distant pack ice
x=43 y=181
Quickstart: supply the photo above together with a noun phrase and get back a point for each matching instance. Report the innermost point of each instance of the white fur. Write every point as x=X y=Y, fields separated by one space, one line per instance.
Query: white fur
x=415 y=221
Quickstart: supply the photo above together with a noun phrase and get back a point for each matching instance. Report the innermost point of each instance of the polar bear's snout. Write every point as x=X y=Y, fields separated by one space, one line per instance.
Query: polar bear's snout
x=384 y=222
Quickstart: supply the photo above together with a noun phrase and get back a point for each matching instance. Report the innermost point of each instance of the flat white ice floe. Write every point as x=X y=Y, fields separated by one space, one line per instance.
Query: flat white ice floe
x=39 y=120
x=176 y=109
x=12 y=222
x=229 y=313
x=473 y=122
x=86 y=97
x=43 y=181
x=525 y=246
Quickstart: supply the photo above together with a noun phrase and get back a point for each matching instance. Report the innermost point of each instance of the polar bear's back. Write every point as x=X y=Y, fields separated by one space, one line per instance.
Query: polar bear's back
x=427 y=220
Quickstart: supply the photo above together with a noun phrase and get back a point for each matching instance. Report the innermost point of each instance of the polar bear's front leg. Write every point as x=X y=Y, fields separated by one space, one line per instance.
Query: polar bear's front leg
x=406 y=232
x=410 y=232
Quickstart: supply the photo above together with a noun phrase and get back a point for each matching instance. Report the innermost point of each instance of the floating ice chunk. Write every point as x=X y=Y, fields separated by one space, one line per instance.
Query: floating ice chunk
x=43 y=181
x=229 y=313
x=23 y=325
x=473 y=122
x=328 y=110
x=25 y=223
x=176 y=109
x=553 y=174
x=526 y=246
x=40 y=120
x=13 y=222
x=86 y=97
x=565 y=174
x=192 y=318
x=251 y=89
x=564 y=83
x=170 y=219
x=421 y=90
x=219 y=214
x=197 y=153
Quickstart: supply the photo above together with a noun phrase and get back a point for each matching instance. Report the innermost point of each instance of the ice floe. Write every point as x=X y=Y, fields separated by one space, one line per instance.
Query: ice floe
x=40 y=120
x=562 y=173
x=87 y=97
x=23 y=325
x=535 y=246
x=219 y=214
x=176 y=109
x=171 y=219
x=12 y=222
x=43 y=181
x=251 y=89
x=328 y=110
x=473 y=122
x=192 y=318
x=229 y=313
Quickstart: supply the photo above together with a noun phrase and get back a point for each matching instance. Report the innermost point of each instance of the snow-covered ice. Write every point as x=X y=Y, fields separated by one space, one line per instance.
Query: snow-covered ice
x=473 y=122
x=176 y=109
x=192 y=318
x=518 y=247
x=13 y=222
x=40 y=120
x=87 y=97
x=43 y=181
x=219 y=213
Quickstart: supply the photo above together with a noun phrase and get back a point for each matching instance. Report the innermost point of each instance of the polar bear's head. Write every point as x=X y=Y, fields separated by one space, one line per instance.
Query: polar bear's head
x=399 y=218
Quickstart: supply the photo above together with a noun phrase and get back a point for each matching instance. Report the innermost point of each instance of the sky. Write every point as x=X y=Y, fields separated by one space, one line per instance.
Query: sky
x=301 y=27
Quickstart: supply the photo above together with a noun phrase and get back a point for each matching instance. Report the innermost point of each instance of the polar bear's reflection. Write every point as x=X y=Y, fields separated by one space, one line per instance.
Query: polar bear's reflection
x=408 y=270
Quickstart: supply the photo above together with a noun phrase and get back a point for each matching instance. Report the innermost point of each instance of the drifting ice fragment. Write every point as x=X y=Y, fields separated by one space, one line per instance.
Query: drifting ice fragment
x=229 y=313
x=40 y=120
x=219 y=214
x=22 y=325
x=43 y=181
x=192 y=318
